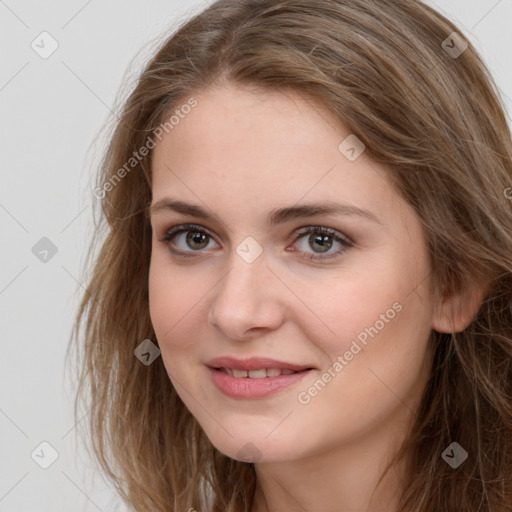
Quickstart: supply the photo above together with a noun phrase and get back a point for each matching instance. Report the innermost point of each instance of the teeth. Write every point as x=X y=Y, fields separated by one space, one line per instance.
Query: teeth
x=257 y=374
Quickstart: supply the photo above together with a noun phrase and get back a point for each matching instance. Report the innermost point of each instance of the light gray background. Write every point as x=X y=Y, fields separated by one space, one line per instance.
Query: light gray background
x=52 y=110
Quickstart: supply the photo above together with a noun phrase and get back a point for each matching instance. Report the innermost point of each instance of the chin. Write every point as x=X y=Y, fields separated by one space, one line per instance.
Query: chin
x=256 y=444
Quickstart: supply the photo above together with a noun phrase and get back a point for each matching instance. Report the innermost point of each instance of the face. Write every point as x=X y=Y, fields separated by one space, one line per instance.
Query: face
x=257 y=273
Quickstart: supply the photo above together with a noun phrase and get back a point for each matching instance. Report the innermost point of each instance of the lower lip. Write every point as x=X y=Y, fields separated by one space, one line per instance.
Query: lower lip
x=245 y=387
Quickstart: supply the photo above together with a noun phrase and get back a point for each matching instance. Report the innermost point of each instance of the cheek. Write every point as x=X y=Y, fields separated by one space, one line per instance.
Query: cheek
x=373 y=317
x=174 y=299
x=344 y=306
x=381 y=336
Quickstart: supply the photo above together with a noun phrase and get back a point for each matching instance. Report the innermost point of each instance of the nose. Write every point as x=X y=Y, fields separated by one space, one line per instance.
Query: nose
x=247 y=301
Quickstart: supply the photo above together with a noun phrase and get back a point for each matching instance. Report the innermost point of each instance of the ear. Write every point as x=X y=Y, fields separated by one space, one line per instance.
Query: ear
x=455 y=312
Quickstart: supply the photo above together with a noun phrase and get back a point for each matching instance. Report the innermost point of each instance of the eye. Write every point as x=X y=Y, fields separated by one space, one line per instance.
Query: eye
x=195 y=238
x=322 y=239
x=192 y=238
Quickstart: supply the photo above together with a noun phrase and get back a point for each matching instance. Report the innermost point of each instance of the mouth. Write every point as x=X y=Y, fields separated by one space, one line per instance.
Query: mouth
x=256 y=377
x=259 y=373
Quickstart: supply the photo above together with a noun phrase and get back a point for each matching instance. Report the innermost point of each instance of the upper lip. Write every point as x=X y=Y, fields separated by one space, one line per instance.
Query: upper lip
x=254 y=363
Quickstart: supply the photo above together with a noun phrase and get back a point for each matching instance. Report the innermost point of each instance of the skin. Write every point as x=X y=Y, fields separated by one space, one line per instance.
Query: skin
x=242 y=154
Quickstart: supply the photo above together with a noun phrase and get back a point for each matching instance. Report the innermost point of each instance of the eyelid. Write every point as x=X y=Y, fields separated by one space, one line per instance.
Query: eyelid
x=299 y=231
x=324 y=229
x=187 y=226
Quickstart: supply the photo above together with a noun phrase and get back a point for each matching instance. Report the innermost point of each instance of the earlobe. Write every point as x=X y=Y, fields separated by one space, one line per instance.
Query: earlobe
x=455 y=312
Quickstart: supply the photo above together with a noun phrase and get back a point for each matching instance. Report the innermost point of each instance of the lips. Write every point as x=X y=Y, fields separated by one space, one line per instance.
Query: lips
x=255 y=377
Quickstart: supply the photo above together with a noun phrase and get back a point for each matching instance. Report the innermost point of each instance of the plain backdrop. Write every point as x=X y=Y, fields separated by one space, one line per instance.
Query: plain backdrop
x=52 y=110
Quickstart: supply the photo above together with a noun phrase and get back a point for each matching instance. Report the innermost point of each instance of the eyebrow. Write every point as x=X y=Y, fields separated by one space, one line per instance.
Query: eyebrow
x=276 y=216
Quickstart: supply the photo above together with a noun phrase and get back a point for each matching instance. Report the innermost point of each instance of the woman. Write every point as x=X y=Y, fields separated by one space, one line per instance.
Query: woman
x=303 y=298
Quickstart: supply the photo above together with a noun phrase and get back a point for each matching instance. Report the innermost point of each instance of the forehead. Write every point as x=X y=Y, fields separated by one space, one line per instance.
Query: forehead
x=263 y=148
x=237 y=119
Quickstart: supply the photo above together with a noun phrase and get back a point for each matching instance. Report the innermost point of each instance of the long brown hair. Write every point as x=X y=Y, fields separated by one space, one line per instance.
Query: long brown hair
x=421 y=102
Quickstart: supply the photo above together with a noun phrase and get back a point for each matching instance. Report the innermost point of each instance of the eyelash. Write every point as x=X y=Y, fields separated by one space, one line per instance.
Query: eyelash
x=343 y=240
